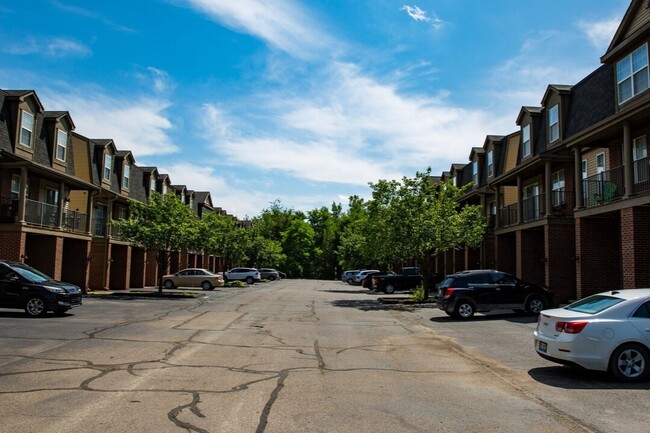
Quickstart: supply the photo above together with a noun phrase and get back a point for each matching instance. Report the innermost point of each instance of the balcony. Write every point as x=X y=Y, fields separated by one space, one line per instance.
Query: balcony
x=534 y=208
x=641 y=179
x=508 y=215
x=604 y=187
x=41 y=214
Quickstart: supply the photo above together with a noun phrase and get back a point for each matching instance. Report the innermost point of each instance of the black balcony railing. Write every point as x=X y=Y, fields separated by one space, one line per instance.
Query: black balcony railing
x=74 y=221
x=641 y=179
x=603 y=187
x=508 y=215
x=533 y=208
x=562 y=202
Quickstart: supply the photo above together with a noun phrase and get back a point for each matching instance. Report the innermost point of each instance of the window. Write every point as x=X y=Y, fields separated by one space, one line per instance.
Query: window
x=531 y=202
x=475 y=173
x=99 y=223
x=152 y=184
x=600 y=163
x=15 y=187
x=525 y=138
x=26 y=128
x=553 y=124
x=632 y=74
x=557 y=187
x=164 y=188
x=108 y=167
x=127 y=176
x=61 y=144
x=640 y=160
x=643 y=311
x=585 y=184
x=490 y=164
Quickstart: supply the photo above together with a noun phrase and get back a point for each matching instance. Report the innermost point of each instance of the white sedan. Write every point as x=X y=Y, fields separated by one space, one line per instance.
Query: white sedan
x=609 y=331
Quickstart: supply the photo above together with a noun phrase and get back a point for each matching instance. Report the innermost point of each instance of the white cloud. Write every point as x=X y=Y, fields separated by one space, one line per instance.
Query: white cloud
x=283 y=24
x=161 y=80
x=56 y=47
x=420 y=15
x=136 y=123
x=600 y=33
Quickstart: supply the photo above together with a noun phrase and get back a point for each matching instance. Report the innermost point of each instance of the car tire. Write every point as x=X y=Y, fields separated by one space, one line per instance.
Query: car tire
x=629 y=363
x=389 y=289
x=250 y=280
x=271 y=278
x=350 y=280
x=35 y=307
x=464 y=309
x=206 y=285
x=169 y=284
x=535 y=304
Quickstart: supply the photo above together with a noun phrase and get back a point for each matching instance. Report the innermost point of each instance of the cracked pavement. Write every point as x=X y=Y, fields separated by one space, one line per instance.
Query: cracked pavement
x=287 y=356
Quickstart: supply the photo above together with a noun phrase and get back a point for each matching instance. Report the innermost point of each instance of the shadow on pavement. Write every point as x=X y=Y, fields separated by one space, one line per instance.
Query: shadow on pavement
x=578 y=378
x=373 y=305
x=510 y=317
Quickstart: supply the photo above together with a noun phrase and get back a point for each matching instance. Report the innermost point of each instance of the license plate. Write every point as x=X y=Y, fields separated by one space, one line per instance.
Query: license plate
x=542 y=346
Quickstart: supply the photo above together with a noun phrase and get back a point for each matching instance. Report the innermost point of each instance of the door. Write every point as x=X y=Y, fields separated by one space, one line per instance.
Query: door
x=531 y=202
x=503 y=293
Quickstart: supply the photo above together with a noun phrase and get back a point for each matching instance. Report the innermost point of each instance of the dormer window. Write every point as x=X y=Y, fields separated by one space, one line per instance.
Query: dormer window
x=525 y=140
x=164 y=188
x=61 y=144
x=126 y=177
x=475 y=172
x=490 y=164
x=632 y=74
x=553 y=124
x=152 y=185
x=108 y=167
x=26 y=128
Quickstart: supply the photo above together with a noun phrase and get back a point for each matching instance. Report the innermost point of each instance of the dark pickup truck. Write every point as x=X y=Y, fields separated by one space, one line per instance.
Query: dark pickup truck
x=410 y=278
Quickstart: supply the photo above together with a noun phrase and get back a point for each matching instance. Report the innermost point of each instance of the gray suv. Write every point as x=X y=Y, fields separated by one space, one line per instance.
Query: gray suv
x=250 y=275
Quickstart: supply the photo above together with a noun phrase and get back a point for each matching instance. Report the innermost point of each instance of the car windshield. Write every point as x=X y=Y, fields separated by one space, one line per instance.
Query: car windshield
x=594 y=304
x=31 y=274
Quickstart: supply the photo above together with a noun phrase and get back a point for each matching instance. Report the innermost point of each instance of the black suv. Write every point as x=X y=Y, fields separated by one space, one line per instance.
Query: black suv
x=24 y=287
x=462 y=294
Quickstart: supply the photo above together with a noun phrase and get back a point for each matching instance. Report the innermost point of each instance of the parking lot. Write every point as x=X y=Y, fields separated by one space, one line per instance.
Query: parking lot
x=294 y=356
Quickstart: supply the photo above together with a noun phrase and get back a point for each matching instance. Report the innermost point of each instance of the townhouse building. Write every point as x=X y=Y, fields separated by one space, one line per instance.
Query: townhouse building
x=61 y=191
x=566 y=195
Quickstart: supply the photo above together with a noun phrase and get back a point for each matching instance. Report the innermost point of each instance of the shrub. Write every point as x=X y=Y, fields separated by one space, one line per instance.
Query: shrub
x=418 y=294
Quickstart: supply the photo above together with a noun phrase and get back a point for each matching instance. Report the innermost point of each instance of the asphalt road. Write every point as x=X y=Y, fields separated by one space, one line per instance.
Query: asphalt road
x=294 y=356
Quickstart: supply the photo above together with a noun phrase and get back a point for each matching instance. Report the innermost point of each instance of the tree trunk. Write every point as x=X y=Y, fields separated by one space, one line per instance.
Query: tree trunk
x=162 y=266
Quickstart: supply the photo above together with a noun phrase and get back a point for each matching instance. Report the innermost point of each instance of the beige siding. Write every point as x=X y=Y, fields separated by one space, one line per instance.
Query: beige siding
x=590 y=157
x=641 y=18
x=509 y=195
x=78 y=200
x=512 y=152
x=80 y=151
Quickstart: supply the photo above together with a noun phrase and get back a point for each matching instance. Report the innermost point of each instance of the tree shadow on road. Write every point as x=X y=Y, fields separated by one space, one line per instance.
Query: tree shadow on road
x=373 y=305
x=510 y=317
x=578 y=378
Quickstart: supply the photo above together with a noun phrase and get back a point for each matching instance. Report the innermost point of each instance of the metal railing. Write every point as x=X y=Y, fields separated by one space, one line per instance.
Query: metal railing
x=603 y=187
x=562 y=202
x=74 y=221
x=509 y=215
x=533 y=208
x=641 y=178
x=41 y=214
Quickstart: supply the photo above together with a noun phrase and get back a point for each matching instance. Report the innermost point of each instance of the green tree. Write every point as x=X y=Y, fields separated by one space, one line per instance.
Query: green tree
x=221 y=236
x=161 y=226
x=420 y=218
x=298 y=245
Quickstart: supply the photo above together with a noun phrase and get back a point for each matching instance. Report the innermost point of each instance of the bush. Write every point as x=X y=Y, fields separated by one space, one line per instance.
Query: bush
x=418 y=294
x=236 y=283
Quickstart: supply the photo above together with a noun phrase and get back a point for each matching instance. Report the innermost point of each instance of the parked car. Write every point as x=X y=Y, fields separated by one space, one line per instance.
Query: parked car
x=270 y=274
x=408 y=279
x=609 y=331
x=250 y=275
x=348 y=276
x=462 y=294
x=193 y=277
x=24 y=287
x=367 y=280
x=359 y=276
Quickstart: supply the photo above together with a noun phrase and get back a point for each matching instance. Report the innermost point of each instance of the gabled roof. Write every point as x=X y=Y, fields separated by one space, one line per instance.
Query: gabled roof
x=22 y=94
x=58 y=116
x=529 y=110
x=629 y=30
x=477 y=151
x=561 y=89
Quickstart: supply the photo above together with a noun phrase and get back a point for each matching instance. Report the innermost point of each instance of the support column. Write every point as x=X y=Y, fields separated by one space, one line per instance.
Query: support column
x=520 y=201
x=22 y=200
x=628 y=160
x=577 y=175
x=548 y=203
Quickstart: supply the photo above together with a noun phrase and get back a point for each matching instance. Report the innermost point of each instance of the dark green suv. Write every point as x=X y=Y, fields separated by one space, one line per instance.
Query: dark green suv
x=24 y=287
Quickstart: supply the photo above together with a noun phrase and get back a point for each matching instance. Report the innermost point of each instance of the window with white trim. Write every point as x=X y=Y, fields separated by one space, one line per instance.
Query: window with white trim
x=553 y=124
x=632 y=74
x=557 y=188
x=640 y=153
x=600 y=163
x=61 y=144
x=26 y=128
x=126 y=177
x=152 y=185
x=475 y=172
x=490 y=163
x=525 y=139
x=108 y=167
x=15 y=187
x=164 y=188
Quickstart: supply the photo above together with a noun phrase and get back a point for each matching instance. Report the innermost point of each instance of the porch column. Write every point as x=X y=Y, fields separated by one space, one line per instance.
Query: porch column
x=628 y=163
x=22 y=199
x=497 y=217
x=547 y=188
x=59 y=220
x=577 y=175
x=520 y=201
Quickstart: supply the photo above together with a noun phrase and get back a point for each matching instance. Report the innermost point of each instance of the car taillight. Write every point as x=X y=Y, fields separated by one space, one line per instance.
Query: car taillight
x=570 y=327
x=446 y=293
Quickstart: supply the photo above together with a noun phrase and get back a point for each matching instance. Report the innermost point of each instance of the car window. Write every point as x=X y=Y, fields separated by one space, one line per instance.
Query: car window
x=505 y=279
x=481 y=279
x=594 y=304
x=643 y=311
x=6 y=273
x=31 y=274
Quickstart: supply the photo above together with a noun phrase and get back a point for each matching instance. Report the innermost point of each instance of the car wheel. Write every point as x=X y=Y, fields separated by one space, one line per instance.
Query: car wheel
x=629 y=363
x=389 y=289
x=35 y=307
x=250 y=280
x=169 y=284
x=464 y=309
x=206 y=285
x=350 y=280
x=535 y=304
x=272 y=278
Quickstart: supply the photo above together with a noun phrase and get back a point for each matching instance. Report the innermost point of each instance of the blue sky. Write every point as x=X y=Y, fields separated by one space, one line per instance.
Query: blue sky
x=301 y=101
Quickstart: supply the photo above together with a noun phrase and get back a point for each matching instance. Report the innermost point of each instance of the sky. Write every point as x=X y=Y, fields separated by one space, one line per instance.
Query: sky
x=305 y=102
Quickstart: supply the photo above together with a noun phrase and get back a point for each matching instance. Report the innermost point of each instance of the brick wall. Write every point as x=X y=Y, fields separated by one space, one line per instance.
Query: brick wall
x=635 y=251
x=12 y=245
x=45 y=253
x=530 y=255
x=76 y=267
x=99 y=264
